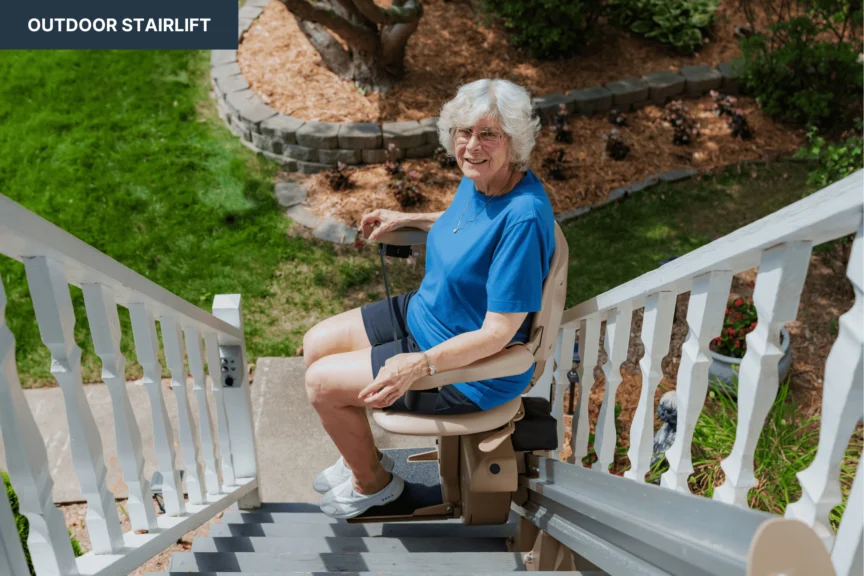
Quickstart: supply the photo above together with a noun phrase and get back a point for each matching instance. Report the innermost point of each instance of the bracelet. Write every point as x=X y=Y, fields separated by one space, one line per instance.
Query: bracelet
x=429 y=362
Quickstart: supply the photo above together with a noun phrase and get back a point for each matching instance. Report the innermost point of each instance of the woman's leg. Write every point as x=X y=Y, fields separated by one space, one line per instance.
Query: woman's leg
x=333 y=384
x=341 y=333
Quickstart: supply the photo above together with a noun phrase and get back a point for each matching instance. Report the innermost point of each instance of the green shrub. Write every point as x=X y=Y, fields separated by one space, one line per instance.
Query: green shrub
x=836 y=159
x=740 y=320
x=548 y=28
x=804 y=67
x=24 y=526
x=679 y=23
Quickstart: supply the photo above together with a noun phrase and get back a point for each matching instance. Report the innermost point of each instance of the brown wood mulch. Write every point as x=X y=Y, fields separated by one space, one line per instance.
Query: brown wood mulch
x=453 y=45
x=592 y=174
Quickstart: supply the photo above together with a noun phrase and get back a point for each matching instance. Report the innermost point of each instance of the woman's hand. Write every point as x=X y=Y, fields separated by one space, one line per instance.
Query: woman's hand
x=386 y=220
x=394 y=379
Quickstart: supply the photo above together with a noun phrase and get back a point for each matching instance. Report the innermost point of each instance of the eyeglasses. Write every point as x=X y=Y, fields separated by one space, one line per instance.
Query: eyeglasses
x=486 y=136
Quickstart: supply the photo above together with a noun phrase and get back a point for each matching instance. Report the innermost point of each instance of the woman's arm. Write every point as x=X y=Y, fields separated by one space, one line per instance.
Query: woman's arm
x=464 y=349
x=423 y=221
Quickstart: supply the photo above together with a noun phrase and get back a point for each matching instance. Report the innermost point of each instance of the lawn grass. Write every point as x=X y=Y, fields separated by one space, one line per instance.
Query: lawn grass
x=124 y=150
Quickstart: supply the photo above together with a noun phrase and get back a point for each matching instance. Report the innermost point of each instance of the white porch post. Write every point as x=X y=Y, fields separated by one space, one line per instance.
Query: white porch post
x=214 y=368
x=238 y=404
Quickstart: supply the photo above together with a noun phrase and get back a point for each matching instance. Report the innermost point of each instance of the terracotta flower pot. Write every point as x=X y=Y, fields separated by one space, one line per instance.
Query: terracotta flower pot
x=723 y=370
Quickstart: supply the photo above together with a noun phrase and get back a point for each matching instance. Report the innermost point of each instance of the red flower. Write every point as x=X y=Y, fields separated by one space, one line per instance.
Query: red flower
x=753 y=325
x=737 y=343
x=739 y=302
x=730 y=331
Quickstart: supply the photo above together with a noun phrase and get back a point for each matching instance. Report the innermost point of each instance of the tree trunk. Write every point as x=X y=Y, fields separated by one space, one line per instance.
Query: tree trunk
x=376 y=37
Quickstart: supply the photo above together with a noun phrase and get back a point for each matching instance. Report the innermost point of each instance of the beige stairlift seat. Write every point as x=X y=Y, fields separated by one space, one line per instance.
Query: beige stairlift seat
x=516 y=358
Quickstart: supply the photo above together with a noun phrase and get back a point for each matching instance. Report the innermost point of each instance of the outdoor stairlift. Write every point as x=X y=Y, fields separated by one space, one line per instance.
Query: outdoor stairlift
x=479 y=458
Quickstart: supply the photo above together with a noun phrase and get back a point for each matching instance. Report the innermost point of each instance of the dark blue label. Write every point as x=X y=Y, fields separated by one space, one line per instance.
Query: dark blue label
x=119 y=24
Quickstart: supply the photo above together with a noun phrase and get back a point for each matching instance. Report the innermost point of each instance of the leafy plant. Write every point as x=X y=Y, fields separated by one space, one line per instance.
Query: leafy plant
x=561 y=125
x=548 y=28
x=24 y=525
x=406 y=189
x=836 y=159
x=677 y=115
x=616 y=147
x=804 y=66
x=724 y=105
x=679 y=23
x=617 y=118
x=786 y=446
x=339 y=177
x=444 y=159
x=740 y=320
x=555 y=163
x=393 y=164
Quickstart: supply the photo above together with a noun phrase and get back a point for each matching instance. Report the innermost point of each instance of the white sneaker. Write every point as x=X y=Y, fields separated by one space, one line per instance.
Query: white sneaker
x=338 y=473
x=345 y=502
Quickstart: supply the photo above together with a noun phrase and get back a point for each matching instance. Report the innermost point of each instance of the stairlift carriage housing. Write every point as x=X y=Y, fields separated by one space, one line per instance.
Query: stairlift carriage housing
x=478 y=466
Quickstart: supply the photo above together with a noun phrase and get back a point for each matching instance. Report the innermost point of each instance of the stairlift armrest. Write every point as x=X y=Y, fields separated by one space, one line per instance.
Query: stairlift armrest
x=508 y=362
x=406 y=236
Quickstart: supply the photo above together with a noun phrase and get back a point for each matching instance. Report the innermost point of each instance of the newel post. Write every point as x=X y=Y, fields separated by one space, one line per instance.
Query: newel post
x=238 y=397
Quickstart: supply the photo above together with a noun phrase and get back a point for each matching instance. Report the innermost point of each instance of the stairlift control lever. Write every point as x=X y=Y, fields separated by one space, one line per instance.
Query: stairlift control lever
x=232 y=365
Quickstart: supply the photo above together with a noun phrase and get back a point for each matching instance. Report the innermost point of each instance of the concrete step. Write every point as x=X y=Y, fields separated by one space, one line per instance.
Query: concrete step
x=388 y=530
x=349 y=545
x=396 y=563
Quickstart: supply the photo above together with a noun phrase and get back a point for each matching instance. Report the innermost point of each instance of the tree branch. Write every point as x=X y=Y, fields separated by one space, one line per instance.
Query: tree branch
x=335 y=57
x=394 y=39
x=396 y=14
x=363 y=38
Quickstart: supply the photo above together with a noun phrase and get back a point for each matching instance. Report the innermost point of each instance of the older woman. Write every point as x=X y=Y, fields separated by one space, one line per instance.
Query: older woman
x=487 y=256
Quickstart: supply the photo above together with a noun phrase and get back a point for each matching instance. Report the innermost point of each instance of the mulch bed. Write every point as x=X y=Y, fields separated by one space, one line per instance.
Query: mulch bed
x=453 y=45
x=592 y=174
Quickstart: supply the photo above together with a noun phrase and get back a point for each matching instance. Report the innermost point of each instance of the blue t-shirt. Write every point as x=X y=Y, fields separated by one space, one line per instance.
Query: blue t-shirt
x=496 y=263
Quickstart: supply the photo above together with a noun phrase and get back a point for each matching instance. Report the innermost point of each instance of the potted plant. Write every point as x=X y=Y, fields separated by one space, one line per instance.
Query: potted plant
x=729 y=348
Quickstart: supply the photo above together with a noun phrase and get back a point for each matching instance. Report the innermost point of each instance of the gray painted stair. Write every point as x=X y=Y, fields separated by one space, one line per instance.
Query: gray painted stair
x=299 y=539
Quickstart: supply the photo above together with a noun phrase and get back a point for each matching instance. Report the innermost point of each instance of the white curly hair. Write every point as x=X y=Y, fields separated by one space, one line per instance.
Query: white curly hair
x=501 y=100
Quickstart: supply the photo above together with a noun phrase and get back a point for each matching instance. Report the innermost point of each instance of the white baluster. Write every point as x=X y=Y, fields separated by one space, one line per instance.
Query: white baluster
x=238 y=404
x=172 y=342
x=842 y=400
x=616 y=343
x=704 y=320
x=195 y=354
x=12 y=560
x=779 y=283
x=213 y=365
x=564 y=359
x=848 y=553
x=589 y=349
x=147 y=349
x=656 y=333
x=27 y=462
x=105 y=330
x=53 y=305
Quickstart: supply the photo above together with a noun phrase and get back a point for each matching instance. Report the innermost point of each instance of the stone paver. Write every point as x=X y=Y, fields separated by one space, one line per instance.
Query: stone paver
x=300 y=153
x=237 y=99
x=617 y=193
x=282 y=127
x=253 y=111
x=225 y=70
x=407 y=134
x=290 y=194
x=312 y=167
x=677 y=174
x=731 y=73
x=663 y=85
x=249 y=12
x=360 y=135
x=547 y=106
x=591 y=100
x=219 y=57
x=289 y=164
x=572 y=214
x=627 y=92
x=344 y=156
x=430 y=127
x=377 y=156
x=266 y=143
x=700 y=79
x=303 y=216
x=424 y=151
x=334 y=231
x=319 y=135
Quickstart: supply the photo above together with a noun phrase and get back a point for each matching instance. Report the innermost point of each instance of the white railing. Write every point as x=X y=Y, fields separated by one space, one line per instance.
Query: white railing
x=780 y=246
x=53 y=260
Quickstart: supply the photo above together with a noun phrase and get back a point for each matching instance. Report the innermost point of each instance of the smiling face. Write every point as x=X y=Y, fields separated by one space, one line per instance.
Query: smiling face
x=482 y=152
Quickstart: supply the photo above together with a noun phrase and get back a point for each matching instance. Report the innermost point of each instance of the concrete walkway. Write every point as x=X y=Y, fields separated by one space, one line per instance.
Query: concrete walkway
x=292 y=445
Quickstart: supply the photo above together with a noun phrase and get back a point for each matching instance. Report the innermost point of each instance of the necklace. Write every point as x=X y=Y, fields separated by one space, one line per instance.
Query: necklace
x=478 y=213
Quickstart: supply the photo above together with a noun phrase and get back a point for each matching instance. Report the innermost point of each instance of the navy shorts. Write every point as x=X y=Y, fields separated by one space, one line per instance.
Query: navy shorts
x=379 y=329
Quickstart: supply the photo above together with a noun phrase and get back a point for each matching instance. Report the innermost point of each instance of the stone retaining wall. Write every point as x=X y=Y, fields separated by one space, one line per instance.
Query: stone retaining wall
x=310 y=147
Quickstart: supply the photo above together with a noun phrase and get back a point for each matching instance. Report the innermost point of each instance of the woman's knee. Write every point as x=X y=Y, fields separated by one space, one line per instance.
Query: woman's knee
x=316 y=384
